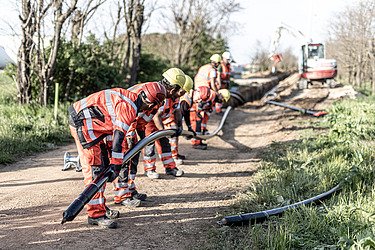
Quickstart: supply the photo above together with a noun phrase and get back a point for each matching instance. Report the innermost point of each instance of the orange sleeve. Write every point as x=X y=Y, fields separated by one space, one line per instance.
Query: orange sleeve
x=125 y=116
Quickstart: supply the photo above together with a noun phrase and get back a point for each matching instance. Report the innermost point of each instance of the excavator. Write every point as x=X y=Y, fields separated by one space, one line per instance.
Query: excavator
x=312 y=63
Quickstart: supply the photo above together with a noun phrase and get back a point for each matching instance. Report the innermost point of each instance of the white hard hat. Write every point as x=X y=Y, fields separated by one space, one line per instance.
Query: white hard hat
x=226 y=55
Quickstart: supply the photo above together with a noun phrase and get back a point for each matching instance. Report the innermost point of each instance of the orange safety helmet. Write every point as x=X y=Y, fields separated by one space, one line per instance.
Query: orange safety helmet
x=204 y=92
x=153 y=92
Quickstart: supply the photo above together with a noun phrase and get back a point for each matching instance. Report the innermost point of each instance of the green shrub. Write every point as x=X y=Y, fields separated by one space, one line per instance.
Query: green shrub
x=8 y=93
x=25 y=129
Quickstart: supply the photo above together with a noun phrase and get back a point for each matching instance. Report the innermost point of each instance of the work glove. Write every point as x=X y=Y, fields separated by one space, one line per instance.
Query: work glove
x=114 y=172
x=178 y=132
x=190 y=129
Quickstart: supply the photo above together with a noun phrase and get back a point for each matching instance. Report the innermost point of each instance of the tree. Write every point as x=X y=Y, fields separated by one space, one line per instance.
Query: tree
x=25 y=52
x=127 y=46
x=93 y=69
x=79 y=19
x=351 y=42
x=34 y=59
x=45 y=64
x=134 y=19
x=191 y=23
x=261 y=57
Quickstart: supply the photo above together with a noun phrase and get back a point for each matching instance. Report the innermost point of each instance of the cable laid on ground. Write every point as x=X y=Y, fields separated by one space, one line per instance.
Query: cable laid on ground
x=302 y=110
x=250 y=218
x=77 y=205
x=237 y=96
x=222 y=121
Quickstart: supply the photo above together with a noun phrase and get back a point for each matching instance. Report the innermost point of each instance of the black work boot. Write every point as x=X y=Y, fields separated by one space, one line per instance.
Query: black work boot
x=112 y=214
x=202 y=146
x=139 y=196
x=174 y=171
x=103 y=222
x=182 y=157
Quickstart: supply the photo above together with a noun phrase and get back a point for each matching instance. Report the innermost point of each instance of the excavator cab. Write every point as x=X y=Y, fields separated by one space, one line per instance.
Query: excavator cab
x=315 y=51
x=312 y=63
x=315 y=67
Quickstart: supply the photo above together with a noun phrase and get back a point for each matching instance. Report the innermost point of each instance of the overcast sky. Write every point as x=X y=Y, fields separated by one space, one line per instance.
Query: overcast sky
x=257 y=20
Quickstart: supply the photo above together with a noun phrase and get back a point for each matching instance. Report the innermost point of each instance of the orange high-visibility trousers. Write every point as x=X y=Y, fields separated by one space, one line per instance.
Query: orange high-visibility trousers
x=91 y=162
x=173 y=141
x=163 y=148
x=206 y=117
x=196 y=124
x=124 y=185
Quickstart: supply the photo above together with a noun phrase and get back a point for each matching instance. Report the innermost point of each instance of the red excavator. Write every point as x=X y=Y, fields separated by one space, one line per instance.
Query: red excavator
x=312 y=64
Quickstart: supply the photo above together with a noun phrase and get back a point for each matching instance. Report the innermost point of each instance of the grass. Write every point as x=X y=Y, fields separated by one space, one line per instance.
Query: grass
x=299 y=170
x=25 y=129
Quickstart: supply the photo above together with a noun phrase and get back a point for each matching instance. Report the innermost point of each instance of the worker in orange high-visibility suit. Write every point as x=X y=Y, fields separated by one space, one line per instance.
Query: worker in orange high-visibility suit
x=174 y=80
x=208 y=75
x=202 y=100
x=91 y=120
x=225 y=73
x=222 y=95
x=125 y=187
x=225 y=70
x=201 y=113
x=189 y=104
x=173 y=120
x=126 y=193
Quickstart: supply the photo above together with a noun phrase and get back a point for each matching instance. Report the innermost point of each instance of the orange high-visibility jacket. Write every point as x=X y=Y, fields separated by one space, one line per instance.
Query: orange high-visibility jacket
x=204 y=76
x=167 y=110
x=198 y=105
x=107 y=112
x=187 y=98
x=225 y=73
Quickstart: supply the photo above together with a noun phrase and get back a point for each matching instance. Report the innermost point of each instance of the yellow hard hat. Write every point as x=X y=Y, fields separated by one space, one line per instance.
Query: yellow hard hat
x=188 y=83
x=225 y=94
x=215 y=58
x=175 y=76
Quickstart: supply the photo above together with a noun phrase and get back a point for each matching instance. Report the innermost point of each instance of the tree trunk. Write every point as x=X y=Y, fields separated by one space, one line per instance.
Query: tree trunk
x=137 y=43
x=24 y=57
x=46 y=71
x=134 y=18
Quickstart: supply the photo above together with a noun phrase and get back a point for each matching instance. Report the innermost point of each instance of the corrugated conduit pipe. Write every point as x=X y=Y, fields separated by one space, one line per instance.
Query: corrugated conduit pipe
x=257 y=217
x=78 y=204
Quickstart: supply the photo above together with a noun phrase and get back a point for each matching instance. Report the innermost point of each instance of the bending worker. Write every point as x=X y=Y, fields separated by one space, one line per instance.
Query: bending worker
x=104 y=113
x=173 y=120
x=200 y=114
x=174 y=80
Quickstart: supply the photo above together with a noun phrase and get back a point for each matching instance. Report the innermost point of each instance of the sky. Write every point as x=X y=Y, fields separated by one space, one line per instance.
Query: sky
x=257 y=21
x=260 y=19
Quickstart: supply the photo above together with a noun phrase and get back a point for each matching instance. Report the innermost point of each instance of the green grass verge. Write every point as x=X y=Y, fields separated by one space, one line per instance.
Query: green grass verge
x=296 y=171
x=25 y=129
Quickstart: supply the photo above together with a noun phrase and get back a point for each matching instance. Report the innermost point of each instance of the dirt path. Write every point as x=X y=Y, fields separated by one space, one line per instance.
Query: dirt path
x=34 y=192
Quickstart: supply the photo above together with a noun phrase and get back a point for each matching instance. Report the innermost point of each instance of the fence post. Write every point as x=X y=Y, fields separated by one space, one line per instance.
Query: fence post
x=56 y=100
